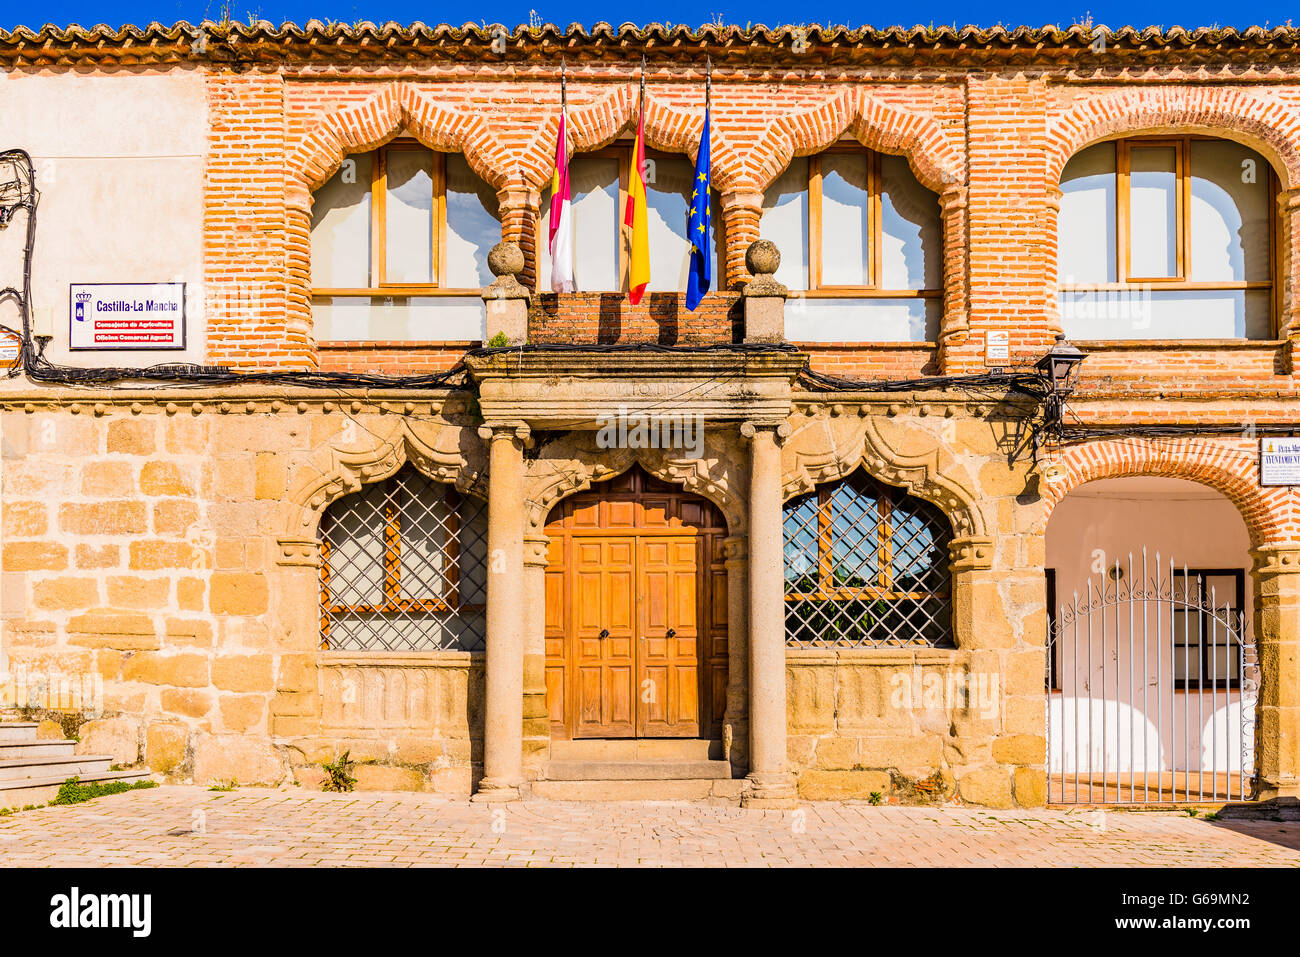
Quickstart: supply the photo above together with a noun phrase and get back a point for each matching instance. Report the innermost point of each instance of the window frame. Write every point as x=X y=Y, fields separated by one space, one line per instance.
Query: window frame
x=1183 y=207
x=622 y=151
x=887 y=498
x=1206 y=679
x=379 y=232
x=448 y=604
x=875 y=241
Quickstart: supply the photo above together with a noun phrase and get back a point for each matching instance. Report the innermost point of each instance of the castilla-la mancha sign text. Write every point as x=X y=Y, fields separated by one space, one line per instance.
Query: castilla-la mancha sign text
x=126 y=316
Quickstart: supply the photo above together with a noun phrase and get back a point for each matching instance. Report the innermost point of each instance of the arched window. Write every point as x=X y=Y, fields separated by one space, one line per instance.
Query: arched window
x=403 y=568
x=399 y=244
x=866 y=565
x=1168 y=237
x=598 y=184
x=861 y=244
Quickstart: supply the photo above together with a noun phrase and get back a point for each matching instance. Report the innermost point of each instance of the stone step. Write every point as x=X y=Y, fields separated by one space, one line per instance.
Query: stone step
x=41 y=790
x=50 y=765
x=655 y=770
x=636 y=749
x=17 y=731
x=711 y=790
x=18 y=750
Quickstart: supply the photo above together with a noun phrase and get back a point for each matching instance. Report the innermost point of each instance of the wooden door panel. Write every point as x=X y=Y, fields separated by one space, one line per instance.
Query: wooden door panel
x=668 y=672
x=604 y=640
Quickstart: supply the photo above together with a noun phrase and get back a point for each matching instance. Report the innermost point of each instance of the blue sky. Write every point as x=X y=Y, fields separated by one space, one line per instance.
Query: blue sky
x=1190 y=13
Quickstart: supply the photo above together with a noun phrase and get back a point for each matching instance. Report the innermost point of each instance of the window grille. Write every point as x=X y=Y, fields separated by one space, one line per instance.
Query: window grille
x=866 y=565
x=403 y=568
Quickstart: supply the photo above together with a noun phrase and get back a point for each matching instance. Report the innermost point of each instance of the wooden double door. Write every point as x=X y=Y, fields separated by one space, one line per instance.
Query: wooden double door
x=636 y=630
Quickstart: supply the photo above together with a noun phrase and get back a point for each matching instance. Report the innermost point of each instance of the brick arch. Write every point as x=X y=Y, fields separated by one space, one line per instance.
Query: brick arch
x=1232 y=113
x=1229 y=468
x=876 y=125
x=396 y=108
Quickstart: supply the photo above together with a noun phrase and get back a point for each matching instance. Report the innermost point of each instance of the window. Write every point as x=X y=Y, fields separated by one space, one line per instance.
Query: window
x=866 y=565
x=403 y=568
x=1167 y=238
x=862 y=240
x=400 y=239
x=598 y=193
x=1207 y=638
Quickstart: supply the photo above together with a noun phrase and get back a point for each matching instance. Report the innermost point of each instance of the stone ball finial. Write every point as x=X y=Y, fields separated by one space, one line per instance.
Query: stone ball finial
x=762 y=257
x=506 y=259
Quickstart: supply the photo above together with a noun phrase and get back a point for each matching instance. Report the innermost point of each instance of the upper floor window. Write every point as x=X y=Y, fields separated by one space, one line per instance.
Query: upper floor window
x=866 y=565
x=404 y=568
x=399 y=240
x=861 y=239
x=1167 y=238
x=598 y=184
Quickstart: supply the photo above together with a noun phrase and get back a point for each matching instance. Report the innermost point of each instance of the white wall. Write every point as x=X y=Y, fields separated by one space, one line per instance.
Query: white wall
x=1117 y=709
x=119 y=165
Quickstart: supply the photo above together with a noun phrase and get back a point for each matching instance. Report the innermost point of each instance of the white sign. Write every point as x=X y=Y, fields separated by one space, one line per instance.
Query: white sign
x=997 y=347
x=137 y=315
x=1279 y=461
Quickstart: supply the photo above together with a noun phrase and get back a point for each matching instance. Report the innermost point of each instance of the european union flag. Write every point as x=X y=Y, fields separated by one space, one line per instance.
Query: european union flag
x=698 y=228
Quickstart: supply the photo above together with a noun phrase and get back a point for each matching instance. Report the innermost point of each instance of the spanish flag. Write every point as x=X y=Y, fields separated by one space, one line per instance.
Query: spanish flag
x=561 y=238
x=635 y=217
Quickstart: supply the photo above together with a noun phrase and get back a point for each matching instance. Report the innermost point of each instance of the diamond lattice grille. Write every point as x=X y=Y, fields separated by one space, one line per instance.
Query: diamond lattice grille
x=866 y=565
x=403 y=568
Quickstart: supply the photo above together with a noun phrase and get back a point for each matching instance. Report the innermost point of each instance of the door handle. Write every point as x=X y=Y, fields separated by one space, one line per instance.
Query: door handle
x=604 y=633
x=671 y=632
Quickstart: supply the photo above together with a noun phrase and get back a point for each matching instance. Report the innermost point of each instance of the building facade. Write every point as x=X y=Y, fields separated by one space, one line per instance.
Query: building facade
x=815 y=539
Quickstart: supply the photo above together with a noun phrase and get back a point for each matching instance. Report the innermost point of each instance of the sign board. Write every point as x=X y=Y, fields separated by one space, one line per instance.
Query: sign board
x=10 y=348
x=1279 y=461
x=997 y=347
x=126 y=316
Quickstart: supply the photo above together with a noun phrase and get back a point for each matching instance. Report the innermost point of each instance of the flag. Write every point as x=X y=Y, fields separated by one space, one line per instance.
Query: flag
x=701 y=275
x=561 y=238
x=636 y=216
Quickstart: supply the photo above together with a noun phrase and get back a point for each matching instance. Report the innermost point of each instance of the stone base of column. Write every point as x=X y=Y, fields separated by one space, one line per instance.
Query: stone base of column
x=490 y=791
x=1285 y=790
x=770 y=791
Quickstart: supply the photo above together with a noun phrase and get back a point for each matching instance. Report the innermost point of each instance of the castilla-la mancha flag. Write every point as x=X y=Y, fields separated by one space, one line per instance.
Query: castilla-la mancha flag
x=561 y=238
x=636 y=217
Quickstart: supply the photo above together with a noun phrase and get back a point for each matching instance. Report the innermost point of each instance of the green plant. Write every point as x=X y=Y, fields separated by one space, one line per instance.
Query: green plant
x=339 y=777
x=72 y=791
x=875 y=799
x=224 y=785
x=499 y=341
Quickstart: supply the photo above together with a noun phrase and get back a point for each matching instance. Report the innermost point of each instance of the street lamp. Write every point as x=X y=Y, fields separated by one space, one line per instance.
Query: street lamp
x=1061 y=366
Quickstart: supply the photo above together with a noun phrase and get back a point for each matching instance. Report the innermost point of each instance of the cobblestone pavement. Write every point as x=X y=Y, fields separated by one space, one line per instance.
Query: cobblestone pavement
x=251 y=826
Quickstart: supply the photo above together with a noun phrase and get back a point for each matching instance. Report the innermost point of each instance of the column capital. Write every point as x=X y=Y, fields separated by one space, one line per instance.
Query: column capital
x=1276 y=558
x=954 y=197
x=514 y=430
x=734 y=549
x=535 y=548
x=970 y=553
x=1288 y=199
x=779 y=429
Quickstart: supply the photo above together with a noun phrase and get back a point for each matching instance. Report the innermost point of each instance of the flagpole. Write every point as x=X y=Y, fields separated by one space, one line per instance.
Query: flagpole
x=564 y=86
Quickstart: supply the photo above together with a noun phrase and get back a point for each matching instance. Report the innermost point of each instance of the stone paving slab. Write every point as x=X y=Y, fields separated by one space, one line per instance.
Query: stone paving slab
x=171 y=826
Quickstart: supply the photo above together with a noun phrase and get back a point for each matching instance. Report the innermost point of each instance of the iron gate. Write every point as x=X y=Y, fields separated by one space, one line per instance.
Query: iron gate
x=1152 y=684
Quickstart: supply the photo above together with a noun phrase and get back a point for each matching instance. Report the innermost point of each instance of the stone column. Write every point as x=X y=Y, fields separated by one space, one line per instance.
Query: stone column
x=537 y=724
x=1288 y=272
x=1277 y=645
x=772 y=784
x=504 y=669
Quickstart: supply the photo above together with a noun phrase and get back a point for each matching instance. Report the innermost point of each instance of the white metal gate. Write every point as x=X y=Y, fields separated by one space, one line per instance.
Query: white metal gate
x=1152 y=683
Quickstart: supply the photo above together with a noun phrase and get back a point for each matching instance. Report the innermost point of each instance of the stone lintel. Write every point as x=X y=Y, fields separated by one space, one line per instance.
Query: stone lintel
x=584 y=389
